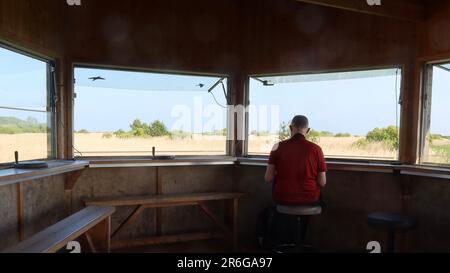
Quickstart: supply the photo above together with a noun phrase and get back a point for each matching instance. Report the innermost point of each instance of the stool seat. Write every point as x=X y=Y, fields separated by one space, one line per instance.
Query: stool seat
x=300 y=210
x=391 y=221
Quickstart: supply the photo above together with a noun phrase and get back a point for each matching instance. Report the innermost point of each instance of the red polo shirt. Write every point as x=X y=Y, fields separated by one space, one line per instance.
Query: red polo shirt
x=297 y=162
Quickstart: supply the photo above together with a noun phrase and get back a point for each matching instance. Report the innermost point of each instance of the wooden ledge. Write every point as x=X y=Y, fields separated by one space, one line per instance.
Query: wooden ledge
x=56 y=167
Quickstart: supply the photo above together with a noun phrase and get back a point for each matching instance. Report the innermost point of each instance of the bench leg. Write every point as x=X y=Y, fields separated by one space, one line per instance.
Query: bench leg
x=100 y=236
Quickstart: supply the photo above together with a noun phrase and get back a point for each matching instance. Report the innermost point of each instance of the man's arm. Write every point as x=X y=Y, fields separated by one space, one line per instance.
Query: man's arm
x=322 y=176
x=270 y=173
x=322 y=179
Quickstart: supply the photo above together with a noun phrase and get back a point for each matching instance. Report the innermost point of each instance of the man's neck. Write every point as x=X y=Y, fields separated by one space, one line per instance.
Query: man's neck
x=299 y=134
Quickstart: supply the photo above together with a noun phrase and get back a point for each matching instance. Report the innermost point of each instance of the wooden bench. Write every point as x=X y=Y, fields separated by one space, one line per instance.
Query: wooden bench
x=90 y=226
x=228 y=226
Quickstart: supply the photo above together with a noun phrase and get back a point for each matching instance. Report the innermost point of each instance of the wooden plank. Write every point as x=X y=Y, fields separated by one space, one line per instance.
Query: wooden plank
x=169 y=205
x=158 y=212
x=20 y=212
x=126 y=244
x=57 y=236
x=233 y=218
x=142 y=161
x=397 y=9
x=12 y=176
x=164 y=199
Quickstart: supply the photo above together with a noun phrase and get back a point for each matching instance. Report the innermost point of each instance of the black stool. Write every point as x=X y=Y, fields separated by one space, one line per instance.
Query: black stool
x=393 y=223
x=302 y=215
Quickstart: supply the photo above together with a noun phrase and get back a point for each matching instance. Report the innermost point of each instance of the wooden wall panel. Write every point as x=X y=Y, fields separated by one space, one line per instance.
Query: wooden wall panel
x=434 y=43
x=8 y=216
x=287 y=36
x=196 y=36
x=34 y=25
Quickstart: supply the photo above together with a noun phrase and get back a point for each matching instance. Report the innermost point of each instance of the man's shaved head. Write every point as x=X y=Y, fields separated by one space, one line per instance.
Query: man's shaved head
x=300 y=122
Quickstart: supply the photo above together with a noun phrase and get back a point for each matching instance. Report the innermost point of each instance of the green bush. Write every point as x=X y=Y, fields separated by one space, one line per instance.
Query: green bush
x=263 y=133
x=326 y=134
x=158 y=129
x=343 y=135
x=180 y=135
x=361 y=144
x=388 y=136
x=313 y=136
x=83 y=131
x=443 y=151
x=107 y=135
x=222 y=132
x=12 y=125
x=122 y=134
x=284 y=132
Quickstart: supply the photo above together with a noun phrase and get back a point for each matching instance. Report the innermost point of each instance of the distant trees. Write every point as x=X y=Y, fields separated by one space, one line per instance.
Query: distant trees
x=140 y=129
x=12 y=125
x=388 y=136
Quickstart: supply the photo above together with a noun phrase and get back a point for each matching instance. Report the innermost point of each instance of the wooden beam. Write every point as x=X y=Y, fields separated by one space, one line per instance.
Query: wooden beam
x=20 y=212
x=210 y=213
x=130 y=219
x=69 y=184
x=397 y=9
x=72 y=178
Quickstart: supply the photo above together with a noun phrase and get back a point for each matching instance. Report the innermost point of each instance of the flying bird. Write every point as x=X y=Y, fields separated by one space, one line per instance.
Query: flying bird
x=201 y=85
x=97 y=78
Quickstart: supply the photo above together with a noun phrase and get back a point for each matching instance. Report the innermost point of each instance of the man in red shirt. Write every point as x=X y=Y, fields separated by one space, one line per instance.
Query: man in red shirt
x=297 y=167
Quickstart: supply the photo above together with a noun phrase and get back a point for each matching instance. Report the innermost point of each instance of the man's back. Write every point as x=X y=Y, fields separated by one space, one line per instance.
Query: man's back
x=298 y=163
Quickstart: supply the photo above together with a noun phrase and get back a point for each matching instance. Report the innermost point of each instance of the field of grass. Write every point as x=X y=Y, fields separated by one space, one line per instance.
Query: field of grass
x=34 y=145
x=331 y=146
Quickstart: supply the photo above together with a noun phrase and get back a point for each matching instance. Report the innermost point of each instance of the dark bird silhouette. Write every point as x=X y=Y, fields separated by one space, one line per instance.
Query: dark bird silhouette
x=97 y=78
x=201 y=85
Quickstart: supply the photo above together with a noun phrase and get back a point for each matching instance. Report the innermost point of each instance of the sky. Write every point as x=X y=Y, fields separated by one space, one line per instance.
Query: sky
x=355 y=106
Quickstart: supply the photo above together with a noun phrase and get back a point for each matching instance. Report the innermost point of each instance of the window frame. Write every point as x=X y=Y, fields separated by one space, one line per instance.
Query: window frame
x=227 y=153
x=425 y=112
x=52 y=98
x=311 y=72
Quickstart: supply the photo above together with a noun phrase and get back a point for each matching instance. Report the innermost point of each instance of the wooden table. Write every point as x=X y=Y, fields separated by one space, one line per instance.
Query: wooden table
x=228 y=229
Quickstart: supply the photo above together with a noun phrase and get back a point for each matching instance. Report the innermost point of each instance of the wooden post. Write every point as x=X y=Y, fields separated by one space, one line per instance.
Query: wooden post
x=70 y=180
x=158 y=211
x=20 y=212
x=233 y=215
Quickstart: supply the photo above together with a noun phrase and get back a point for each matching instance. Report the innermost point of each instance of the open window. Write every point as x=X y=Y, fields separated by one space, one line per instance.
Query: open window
x=128 y=113
x=353 y=115
x=27 y=107
x=435 y=144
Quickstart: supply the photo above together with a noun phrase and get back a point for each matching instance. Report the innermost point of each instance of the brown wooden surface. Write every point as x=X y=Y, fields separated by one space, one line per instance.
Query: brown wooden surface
x=398 y=9
x=166 y=239
x=20 y=212
x=57 y=236
x=162 y=200
x=70 y=180
x=172 y=200
x=11 y=176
